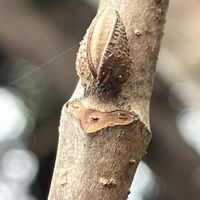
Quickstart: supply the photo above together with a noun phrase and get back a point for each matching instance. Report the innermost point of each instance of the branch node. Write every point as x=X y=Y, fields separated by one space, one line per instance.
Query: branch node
x=93 y=120
x=108 y=182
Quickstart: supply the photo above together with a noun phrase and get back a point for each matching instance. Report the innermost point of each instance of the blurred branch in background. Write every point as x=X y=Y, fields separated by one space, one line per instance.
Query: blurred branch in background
x=38 y=33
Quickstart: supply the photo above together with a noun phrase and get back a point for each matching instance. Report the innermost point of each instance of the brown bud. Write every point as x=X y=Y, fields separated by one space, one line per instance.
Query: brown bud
x=103 y=54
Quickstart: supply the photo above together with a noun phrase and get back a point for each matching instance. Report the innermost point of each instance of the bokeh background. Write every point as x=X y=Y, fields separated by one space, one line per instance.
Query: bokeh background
x=38 y=44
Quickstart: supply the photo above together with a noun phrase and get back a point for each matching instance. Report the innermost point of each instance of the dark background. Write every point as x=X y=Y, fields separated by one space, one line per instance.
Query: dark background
x=38 y=44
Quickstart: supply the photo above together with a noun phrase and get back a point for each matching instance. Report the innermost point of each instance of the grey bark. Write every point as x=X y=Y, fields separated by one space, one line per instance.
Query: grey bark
x=100 y=164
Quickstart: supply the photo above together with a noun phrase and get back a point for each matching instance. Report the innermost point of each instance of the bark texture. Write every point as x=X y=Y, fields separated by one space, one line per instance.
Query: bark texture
x=104 y=132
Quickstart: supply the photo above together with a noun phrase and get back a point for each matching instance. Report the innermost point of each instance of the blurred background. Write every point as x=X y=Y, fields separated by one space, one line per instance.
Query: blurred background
x=38 y=44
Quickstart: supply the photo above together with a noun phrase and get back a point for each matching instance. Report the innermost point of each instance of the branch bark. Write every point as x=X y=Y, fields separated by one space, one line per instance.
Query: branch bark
x=104 y=128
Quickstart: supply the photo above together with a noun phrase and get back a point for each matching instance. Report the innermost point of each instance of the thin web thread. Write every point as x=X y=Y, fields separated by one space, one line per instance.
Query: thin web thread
x=42 y=65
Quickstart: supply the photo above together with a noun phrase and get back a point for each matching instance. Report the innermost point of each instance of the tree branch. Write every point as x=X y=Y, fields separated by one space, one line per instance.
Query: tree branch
x=104 y=128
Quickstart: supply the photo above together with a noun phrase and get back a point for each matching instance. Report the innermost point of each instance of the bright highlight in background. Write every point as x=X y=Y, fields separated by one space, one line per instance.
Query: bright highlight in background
x=13 y=119
x=189 y=126
x=19 y=165
x=18 y=169
x=144 y=184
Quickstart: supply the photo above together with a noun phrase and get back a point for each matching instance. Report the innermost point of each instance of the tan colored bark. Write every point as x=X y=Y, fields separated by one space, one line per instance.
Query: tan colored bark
x=100 y=163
